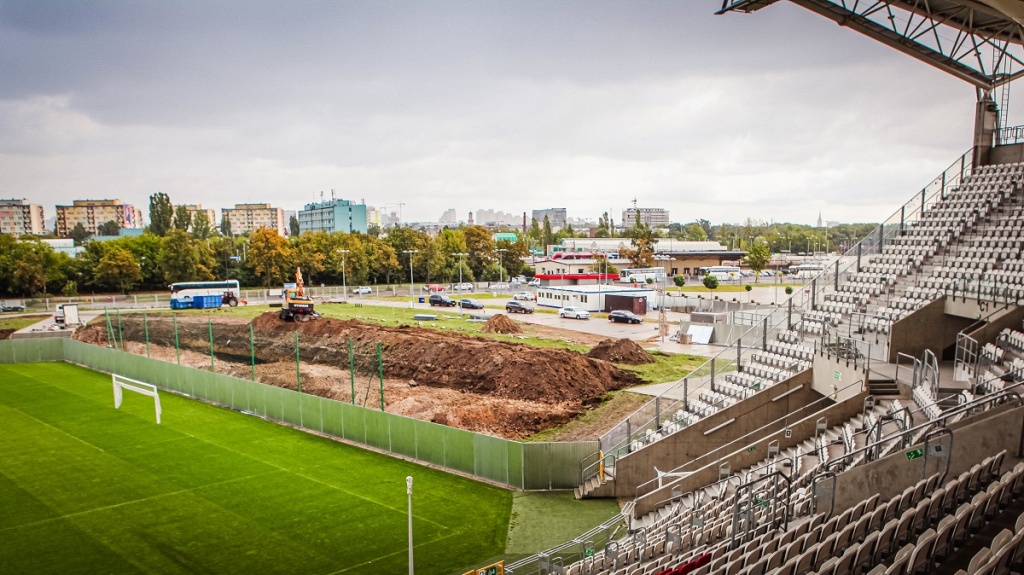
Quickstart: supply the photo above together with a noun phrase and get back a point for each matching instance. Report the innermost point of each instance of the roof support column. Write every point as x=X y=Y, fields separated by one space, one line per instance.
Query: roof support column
x=986 y=120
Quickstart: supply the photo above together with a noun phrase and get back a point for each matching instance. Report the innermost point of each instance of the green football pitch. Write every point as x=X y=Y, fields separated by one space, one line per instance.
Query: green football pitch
x=85 y=488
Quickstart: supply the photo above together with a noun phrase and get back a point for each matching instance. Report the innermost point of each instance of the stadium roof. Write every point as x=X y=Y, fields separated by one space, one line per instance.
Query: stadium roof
x=978 y=41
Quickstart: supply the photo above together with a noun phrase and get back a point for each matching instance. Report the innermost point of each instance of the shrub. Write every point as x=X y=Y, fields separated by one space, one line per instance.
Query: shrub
x=789 y=290
x=70 y=288
x=710 y=282
x=749 y=287
x=679 y=280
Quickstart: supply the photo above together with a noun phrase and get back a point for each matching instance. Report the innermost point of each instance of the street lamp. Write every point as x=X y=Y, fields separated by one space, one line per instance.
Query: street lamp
x=412 y=293
x=460 y=255
x=501 y=268
x=344 y=280
x=408 y=494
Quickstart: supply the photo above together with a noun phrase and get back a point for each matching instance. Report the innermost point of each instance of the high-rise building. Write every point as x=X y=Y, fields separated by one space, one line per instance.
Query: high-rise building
x=653 y=217
x=18 y=217
x=556 y=217
x=333 y=216
x=449 y=218
x=248 y=217
x=193 y=208
x=495 y=218
x=93 y=213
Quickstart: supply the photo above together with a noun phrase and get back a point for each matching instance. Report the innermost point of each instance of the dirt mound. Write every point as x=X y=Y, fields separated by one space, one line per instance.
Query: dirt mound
x=621 y=351
x=501 y=323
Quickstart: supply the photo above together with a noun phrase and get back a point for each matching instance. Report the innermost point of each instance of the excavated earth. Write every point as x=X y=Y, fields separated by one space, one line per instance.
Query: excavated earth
x=476 y=383
x=621 y=351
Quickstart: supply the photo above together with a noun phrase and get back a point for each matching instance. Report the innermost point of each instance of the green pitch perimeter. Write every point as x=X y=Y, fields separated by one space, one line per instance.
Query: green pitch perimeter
x=87 y=489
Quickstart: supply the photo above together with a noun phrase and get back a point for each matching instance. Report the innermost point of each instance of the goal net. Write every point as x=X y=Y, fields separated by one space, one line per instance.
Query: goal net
x=122 y=383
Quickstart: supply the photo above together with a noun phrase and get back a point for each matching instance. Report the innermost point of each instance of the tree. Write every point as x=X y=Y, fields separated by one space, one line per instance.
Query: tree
x=70 y=288
x=547 y=237
x=480 y=247
x=119 y=269
x=693 y=232
x=225 y=227
x=758 y=257
x=270 y=257
x=108 y=228
x=603 y=226
x=160 y=213
x=293 y=225
x=202 y=227
x=80 y=234
x=710 y=282
x=706 y=226
x=642 y=239
x=373 y=230
x=181 y=258
x=679 y=280
x=29 y=276
x=182 y=218
x=492 y=272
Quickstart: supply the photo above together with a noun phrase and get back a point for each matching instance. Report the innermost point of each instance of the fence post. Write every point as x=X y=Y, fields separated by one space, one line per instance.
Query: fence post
x=145 y=325
x=298 y=376
x=120 y=332
x=252 y=352
x=213 y=368
x=380 y=368
x=352 y=369
x=177 y=348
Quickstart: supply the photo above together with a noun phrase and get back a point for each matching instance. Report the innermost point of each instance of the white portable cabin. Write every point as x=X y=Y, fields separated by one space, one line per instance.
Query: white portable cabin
x=589 y=297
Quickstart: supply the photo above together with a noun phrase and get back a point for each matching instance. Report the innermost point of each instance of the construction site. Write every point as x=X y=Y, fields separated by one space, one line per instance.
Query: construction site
x=480 y=384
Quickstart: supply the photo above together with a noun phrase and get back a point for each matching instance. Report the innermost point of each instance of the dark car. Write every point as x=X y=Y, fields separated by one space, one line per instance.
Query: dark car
x=439 y=299
x=623 y=316
x=517 y=307
x=470 y=303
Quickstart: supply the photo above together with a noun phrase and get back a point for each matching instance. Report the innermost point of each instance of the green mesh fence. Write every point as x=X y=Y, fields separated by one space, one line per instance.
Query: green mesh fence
x=519 y=465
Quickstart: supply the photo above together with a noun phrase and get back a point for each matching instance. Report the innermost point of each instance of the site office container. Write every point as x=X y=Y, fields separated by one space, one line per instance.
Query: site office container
x=635 y=304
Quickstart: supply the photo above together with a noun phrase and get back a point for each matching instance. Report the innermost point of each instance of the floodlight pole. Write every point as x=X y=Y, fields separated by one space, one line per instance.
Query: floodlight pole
x=461 y=256
x=412 y=286
x=344 y=282
x=408 y=493
x=501 y=268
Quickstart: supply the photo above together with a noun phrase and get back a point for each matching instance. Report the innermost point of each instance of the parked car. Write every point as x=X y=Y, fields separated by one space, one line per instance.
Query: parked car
x=525 y=296
x=362 y=290
x=469 y=303
x=433 y=288
x=439 y=299
x=464 y=286
x=517 y=307
x=499 y=286
x=519 y=280
x=623 y=316
x=11 y=307
x=534 y=282
x=574 y=312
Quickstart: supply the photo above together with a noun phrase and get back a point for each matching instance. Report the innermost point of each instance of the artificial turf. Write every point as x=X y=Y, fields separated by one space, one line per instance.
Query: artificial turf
x=89 y=489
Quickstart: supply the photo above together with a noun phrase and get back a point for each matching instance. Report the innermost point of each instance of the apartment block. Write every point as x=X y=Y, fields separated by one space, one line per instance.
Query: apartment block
x=18 y=218
x=93 y=213
x=653 y=217
x=245 y=218
x=556 y=216
x=333 y=216
x=193 y=208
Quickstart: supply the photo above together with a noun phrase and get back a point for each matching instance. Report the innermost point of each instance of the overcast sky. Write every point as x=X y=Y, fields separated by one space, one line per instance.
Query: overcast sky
x=512 y=106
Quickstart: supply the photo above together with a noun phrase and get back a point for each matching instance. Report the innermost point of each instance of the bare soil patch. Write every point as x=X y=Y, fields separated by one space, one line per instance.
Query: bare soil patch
x=500 y=323
x=471 y=382
x=621 y=351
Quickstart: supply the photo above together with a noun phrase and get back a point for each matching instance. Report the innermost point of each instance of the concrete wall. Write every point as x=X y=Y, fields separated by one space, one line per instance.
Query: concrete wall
x=1007 y=154
x=990 y=331
x=838 y=378
x=973 y=441
x=745 y=454
x=917 y=332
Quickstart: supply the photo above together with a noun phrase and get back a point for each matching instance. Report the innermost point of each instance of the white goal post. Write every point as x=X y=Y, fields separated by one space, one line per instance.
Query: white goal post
x=122 y=383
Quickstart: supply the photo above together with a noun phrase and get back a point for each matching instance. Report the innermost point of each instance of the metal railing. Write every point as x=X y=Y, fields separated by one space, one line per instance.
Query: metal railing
x=618 y=440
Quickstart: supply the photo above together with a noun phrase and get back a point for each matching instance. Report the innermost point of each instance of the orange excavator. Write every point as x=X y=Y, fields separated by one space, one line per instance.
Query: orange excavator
x=297 y=305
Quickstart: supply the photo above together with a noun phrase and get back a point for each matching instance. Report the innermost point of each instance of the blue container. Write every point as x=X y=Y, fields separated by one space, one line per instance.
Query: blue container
x=206 y=301
x=181 y=303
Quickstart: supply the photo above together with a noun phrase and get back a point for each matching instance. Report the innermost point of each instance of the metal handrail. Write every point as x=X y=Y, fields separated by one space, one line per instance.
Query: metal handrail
x=932 y=193
x=991 y=398
x=717 y=456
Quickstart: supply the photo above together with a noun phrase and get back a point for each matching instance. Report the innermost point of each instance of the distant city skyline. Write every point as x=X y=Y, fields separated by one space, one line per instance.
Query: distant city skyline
x=420 y=107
